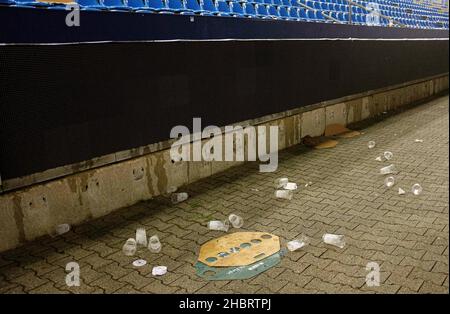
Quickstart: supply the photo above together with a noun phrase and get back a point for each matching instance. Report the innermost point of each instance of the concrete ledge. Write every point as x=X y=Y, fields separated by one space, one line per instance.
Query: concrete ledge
x=28 y=213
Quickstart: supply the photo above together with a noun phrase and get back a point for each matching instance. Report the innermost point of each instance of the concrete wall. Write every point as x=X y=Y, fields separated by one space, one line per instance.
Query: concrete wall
x=31 y=212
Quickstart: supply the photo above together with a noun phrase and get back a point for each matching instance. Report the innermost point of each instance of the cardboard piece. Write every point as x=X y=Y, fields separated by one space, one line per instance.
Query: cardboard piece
x=335 y=129
x=327 y=144
x=239 y=272
x=349 y=134
x=238 y=249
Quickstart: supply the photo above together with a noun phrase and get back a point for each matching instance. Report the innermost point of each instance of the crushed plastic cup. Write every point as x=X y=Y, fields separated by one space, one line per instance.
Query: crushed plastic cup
x=290 y=186
x=379 y=158
x=141 y=237
x=418 y=141
x=281 y=183
x=178 y=197
x=389 y=181
x=59 y=230
x=154 y=245
x=388 y=169
x=218 y=225
x=371 y=144
x=416 y=189
x=129 y=248
x=139 y=262
x=334 y=239
x=159 y=270
x=284 y=194
x=388 y=155
x=236 y=221
x=401 y=191
x=297 y=243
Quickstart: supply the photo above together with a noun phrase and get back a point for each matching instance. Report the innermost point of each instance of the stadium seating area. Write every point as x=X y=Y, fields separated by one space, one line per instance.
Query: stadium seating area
x=397 y=13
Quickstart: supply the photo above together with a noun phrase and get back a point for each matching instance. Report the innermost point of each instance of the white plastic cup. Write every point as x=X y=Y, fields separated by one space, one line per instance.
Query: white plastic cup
x=154 y=245
x=284 y=194
x=334 y=239
x=236 y=221
x=129 y=248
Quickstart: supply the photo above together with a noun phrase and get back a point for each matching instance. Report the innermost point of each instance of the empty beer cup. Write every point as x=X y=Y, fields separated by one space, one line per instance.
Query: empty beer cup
x=285 y=194
x=236 y=221
x=154 y=245
x=416 y=189
x=129 y=248
x=334 y=239
x=389 y=181
x=141 y=237
x=218 y=225
x=387 y=170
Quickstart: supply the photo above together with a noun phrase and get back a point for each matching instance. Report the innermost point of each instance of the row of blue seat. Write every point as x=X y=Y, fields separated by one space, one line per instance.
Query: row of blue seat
x=308 y=10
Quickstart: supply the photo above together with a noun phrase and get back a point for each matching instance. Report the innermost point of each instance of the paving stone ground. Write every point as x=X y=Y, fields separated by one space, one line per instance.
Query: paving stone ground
x=407 y=235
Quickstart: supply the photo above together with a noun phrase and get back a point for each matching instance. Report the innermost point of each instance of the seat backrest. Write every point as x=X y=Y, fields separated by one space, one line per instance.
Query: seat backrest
x=137 y=3
x=277 y=2
x=249 y=8
x=113 y=3
x=293 y=12
x=273 y=11
x=193 y=5
x=267 y=1
x=223 y=7
x=261 y=9
x=302 y=13
x=283 y=12
x=87 y=3
x=237 y=8
x=175 y=4
x=156 y=4
x=208 y=5
x=319 y=15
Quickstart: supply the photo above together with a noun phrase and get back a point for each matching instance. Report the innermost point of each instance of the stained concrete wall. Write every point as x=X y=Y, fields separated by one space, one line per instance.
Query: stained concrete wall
x=32 y=212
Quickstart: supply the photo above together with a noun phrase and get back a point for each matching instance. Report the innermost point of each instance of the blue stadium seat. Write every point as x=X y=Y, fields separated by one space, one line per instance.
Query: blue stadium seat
x=223 y=8
x=283 y=12
x=237 y=9
x=175 y=6
x=293 y=13
x=319 y=16
x=116 y=5
x=277 y=2
x=273 y=12
x=302 y=14
x=138 y=5
x=208 y=5
x=156 y=5
x=286 y=3
x=261 y=11
x=194 y=6
x=249 y=9
x=91 y=5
